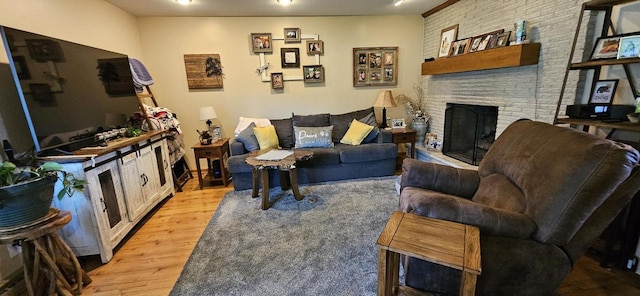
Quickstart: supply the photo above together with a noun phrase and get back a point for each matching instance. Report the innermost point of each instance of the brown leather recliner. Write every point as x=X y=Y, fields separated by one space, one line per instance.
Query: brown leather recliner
x=541 y=196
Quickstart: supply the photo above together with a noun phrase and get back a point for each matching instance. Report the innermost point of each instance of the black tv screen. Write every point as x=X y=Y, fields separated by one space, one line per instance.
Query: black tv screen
x=68 y=91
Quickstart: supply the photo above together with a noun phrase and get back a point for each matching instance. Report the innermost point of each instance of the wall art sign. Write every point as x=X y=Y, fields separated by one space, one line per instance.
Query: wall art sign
x=204 y=71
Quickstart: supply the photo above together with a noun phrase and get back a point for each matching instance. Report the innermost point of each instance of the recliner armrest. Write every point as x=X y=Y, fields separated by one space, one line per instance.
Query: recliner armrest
x=441 y=178
x=490 y=220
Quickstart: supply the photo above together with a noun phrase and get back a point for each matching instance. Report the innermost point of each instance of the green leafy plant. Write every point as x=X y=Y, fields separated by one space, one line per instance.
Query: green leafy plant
x=10 y=174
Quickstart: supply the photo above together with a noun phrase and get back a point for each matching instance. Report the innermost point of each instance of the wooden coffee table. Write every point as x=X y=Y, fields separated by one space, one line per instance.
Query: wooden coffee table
x=286 y=168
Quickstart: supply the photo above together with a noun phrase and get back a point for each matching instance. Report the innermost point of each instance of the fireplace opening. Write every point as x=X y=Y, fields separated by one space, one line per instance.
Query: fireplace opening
x=469 y=131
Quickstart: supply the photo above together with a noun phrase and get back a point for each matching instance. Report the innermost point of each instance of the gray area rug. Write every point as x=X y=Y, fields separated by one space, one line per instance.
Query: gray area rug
x=322 y=245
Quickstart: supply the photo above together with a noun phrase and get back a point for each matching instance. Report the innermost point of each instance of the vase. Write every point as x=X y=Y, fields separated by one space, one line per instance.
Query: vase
x=25 y=202
x=421 y=129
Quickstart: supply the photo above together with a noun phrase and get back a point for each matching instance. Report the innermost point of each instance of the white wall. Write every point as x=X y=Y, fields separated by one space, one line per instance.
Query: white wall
x=90 y=22
x=165 y=40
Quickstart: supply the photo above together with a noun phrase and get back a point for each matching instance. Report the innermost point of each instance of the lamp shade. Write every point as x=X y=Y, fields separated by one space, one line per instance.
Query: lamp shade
x=207 y=113
x=385 y=99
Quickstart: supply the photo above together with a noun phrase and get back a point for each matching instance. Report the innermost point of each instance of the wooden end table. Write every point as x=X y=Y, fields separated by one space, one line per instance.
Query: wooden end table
x=49 y=264
x=286 y=168
x=442 y=242
x=404 y=135
x=215 y=150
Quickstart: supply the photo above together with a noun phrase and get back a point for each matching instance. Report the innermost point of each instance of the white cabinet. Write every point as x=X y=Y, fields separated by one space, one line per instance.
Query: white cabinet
x=124 y=185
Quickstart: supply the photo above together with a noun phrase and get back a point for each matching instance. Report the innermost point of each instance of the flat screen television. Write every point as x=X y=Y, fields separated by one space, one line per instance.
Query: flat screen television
x=68 y=92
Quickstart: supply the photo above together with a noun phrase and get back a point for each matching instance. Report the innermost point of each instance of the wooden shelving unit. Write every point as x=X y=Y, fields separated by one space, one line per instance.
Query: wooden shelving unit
x=623 y=126
x=502 y=57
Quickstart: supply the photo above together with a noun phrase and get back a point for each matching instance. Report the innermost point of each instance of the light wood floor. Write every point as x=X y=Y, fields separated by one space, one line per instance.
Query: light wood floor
x=150 y=261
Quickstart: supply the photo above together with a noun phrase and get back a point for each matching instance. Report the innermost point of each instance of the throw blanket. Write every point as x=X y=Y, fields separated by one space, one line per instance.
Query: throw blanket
x=162 y=118
x=141 y=76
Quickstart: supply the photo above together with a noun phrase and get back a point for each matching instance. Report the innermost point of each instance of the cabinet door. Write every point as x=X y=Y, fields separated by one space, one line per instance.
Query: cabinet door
x=109 y=205
x=165 y=177
x=131 y=182
x=147 y=169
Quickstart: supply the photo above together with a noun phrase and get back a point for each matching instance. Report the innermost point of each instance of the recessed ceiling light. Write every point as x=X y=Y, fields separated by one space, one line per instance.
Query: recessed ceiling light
x=397 y=2
x=284 y=2
x=183 y=2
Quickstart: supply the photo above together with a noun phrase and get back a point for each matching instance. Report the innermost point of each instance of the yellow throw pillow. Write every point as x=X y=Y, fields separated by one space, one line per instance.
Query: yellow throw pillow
x=267 y=137
x=356 y=133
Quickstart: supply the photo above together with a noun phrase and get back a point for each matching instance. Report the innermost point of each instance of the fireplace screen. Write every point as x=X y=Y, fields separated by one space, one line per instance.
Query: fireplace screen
x=469 y=130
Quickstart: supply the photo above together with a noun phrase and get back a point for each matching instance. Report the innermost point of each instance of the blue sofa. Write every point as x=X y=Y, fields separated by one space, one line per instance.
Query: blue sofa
x=376 y=158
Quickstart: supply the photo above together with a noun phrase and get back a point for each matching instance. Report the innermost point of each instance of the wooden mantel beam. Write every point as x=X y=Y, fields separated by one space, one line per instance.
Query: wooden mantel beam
x=442 y=6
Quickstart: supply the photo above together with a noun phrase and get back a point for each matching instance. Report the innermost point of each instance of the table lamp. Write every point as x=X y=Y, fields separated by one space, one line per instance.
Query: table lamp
x=207 y=113
x=384 y=100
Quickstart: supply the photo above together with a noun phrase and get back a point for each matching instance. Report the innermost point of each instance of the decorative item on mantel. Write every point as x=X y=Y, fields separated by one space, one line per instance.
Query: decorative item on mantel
x=419 y=119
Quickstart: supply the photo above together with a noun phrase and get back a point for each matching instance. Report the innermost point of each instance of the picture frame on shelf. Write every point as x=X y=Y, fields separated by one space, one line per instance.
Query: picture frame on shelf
x=489 y=40
x=291 y=35
x=277 y=80
x=603 y=91
x=502 y=39
x=398 y=123
x=261 y=42
x=290 y=57
x=313 y=73
x=315 y=47
x=629 y=47
x=606 y=48
x=375 y=66
x=447 y=36
x=460 y=47
x=475 y=43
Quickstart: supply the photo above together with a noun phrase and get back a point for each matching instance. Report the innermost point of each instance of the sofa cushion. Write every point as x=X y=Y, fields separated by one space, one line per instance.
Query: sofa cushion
x=307 y=137
x=321 y=156
x=356 y=133
x=371 y=120
x=266 y=137
x=284 y=129
x=366 y=152
x=341 y=122
x=247 y=138
x=311 y=120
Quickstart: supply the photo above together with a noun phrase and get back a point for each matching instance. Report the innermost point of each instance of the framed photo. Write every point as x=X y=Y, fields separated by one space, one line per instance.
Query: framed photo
x=502 y=39
x=375 y=66
x=606 y=48
x=313 y=73
x=43 y=49
x=261 y=42
x=629 y=47
x=290 y=57
x=21 y=67
x=475 y=43
x=291 y=35
x=315 y=47
x=460 y=47
x=603 y=91
x=398 y=123
x=447 y=36
x=277 y=81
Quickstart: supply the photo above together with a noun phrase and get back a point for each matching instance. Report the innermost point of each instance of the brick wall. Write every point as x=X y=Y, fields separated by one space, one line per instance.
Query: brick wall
x=521 y=92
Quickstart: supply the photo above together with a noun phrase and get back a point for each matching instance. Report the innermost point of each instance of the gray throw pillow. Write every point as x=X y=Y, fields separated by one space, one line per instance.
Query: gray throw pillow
x=284 y=129
x=341 y=122
x=247 y=138
x=321 y=119
x=370 y=120
x=308 y=137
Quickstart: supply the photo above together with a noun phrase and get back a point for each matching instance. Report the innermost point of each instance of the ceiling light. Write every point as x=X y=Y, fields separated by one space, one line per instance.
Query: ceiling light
x=183 y=2
x=397 y=2
x=284 y=2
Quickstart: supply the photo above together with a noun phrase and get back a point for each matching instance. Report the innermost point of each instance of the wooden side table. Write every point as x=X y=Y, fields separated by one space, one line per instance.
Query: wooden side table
x=404 y=135
x=49 y=264
x=216 y=150
x=442 y=242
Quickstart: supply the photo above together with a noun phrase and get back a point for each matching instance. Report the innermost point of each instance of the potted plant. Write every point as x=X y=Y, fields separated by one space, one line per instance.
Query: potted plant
x=26 y=192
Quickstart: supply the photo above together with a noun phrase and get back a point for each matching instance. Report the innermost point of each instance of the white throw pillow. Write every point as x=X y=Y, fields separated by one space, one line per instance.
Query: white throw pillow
x=244 y=122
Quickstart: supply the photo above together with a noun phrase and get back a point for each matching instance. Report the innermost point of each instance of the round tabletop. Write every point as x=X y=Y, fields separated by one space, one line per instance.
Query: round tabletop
x=54 y=220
